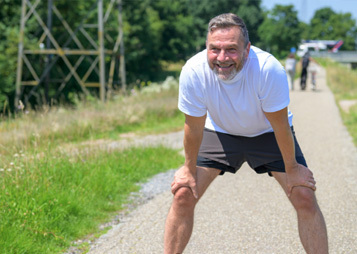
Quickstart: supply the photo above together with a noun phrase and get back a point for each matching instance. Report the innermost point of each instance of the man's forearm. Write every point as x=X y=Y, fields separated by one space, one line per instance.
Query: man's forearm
x=193 y=133
x=284 y=137
x=286 y=144
x=192 y=142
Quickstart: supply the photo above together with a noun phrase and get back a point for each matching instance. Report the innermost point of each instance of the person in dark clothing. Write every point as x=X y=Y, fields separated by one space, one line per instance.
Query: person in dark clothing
x=305 y=64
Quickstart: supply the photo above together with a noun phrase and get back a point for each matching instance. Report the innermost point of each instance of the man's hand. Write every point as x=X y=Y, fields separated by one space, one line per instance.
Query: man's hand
x=299 y=176
x=184 y=178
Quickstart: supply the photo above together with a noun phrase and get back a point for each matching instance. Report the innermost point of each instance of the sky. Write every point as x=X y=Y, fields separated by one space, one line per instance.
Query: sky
x=306 y=8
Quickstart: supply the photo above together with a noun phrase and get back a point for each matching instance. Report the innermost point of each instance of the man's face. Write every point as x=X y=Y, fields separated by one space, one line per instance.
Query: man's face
x=226 y=53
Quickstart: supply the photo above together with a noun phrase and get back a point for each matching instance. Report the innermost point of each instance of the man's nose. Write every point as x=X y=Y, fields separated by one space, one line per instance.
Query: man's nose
x=222 y=55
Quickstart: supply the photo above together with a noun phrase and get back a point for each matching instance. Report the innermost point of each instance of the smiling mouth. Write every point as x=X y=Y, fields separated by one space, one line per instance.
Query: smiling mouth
x=224 y=66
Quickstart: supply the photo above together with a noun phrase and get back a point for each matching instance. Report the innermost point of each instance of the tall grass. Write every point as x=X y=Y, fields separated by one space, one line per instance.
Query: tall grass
x=152 y=109
x=48 y=202
x=343 y=83
x=51 y=196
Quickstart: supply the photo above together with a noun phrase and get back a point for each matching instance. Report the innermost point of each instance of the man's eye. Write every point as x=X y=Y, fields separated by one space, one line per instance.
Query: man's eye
x=232 y=50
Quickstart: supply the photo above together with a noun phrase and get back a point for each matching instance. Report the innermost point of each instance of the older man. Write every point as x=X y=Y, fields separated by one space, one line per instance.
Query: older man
x=235 y=98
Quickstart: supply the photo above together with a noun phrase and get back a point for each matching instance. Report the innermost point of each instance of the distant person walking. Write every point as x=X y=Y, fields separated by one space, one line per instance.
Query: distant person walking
x=305 y=63
x=313 y=69
x=308 y=65
x=290 y=66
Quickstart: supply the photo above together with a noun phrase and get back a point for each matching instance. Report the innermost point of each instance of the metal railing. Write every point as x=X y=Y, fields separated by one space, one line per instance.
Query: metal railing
x=341 y=56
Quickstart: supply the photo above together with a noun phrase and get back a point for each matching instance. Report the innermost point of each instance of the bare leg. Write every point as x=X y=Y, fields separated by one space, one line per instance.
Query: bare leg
x=179 y=222
x=311 y=223
x=313 y=78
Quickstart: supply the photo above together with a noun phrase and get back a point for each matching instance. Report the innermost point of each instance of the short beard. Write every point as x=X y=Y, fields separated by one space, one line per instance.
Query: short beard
x=233 y=73
x=226 y=77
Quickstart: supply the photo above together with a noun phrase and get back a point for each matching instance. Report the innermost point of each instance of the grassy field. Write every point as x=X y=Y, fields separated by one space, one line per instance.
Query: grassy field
x=48 y=202
x=151 y=110
x=51 y=196
x=343 y=83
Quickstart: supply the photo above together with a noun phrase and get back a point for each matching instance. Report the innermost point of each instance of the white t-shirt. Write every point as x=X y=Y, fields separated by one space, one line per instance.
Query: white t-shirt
x=236 y=106
x=290 y=64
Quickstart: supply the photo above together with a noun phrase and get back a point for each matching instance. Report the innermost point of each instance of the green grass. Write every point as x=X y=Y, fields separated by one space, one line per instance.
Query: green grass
x=153 y=124
x=143 y=112
x=343 y=83
x=51 y=196
x=50 y=201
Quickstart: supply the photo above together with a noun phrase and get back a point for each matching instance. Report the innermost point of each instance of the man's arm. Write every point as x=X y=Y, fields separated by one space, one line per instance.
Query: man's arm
x=297 y=174
x=193 y=133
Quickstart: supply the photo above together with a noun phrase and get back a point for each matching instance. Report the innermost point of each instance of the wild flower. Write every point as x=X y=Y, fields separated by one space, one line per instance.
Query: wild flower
x=21 y=106
x=133 y=92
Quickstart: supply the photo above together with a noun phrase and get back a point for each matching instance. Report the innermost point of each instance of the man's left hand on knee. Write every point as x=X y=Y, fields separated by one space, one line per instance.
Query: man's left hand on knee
x=300 y=176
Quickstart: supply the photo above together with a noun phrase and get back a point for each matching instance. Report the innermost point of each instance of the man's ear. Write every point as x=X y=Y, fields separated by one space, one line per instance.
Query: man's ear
x=247 y=50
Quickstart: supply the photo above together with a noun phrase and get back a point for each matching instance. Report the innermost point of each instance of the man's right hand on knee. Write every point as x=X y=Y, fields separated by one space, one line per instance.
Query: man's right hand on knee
x=184 y=178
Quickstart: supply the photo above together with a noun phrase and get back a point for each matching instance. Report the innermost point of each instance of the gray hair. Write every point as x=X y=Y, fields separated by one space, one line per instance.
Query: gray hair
x=228 y=20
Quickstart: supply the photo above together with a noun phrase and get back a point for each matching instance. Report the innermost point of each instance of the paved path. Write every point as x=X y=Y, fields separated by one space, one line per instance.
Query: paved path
x=248 y=213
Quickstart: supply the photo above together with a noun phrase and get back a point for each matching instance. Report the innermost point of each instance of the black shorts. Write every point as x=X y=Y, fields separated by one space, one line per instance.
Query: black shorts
x=228 y=152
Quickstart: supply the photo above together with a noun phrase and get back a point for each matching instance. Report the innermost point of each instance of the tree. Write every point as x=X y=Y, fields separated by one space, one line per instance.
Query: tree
x=10 y=16
x=9 y=22
x=161 y=30
x=328 y=25
x=178 y=28
x=143 y=40
x=280 y=30
x=157 y=31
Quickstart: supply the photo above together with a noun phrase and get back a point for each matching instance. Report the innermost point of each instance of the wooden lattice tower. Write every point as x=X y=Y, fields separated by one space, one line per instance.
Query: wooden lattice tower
x=53 y=50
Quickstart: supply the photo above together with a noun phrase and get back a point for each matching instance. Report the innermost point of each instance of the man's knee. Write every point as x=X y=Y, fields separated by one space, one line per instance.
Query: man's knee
x=184 y=198
x=304 y=199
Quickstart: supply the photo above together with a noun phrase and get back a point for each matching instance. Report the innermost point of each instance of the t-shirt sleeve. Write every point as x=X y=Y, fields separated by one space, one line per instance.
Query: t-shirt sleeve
x=191 y=96
x=274 y=88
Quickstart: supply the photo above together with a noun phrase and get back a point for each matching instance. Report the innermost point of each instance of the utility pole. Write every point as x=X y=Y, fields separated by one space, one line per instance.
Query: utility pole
x=88 y=46
x=48 y=46
x=101 y=50
x=20 y=54
x=118 y=53
x=122 y=51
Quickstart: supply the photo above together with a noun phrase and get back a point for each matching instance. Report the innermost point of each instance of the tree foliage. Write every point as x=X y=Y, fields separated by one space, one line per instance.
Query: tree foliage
x=156 y=32
x=9 y=30
x=280 y=30
x=328 y=25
